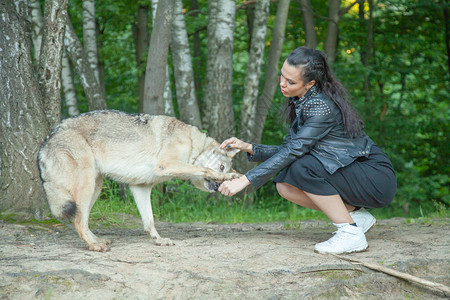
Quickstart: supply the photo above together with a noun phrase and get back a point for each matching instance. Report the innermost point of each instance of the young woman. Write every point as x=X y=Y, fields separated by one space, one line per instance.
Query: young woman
x=328 y=163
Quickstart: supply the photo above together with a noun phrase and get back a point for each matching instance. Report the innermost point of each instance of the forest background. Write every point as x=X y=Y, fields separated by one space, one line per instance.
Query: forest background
x=392 y=56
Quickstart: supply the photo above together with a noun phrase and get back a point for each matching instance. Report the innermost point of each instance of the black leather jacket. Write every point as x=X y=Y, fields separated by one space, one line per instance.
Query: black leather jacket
x=318 y=129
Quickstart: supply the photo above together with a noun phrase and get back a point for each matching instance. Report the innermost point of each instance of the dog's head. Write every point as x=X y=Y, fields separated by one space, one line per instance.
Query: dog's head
x=218 y=160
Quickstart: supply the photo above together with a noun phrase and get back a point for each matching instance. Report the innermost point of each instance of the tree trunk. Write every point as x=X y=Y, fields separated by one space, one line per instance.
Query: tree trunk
x=182 y=65
x=250 y=12
x=249 y=102
x=101 y=63
x=198 y=63
x=156 y=71
x=272 y=80
x=70 y=96
x=50 y=60
x=218 y=116
x=331 y=39
x=23 y=124
x=36 y=29
x=90 y=36
x=167 y=95
x=308 y=23
x=96 y=99
x=141 y=40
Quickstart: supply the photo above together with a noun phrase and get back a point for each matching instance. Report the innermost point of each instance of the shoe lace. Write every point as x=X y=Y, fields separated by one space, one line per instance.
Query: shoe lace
x=336 y=238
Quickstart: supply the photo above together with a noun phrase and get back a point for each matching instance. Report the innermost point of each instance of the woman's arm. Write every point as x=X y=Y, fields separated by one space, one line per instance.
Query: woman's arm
x=301 y=141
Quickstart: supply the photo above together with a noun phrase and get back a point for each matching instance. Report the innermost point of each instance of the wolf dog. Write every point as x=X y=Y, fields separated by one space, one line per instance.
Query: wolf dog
x=140 y=150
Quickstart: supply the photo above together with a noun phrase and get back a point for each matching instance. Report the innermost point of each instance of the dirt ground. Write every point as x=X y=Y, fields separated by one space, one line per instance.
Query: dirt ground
x=213 y=261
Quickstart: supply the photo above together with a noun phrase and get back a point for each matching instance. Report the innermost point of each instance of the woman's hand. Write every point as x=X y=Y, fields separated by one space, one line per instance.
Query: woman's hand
x=232 y=187
x=235 y=143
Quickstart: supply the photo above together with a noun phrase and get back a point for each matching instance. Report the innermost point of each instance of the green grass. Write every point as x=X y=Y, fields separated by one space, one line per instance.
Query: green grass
x=177 y=201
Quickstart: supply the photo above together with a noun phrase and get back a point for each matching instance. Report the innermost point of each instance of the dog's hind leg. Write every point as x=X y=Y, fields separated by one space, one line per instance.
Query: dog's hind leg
x=141 y=194
x=85 y=196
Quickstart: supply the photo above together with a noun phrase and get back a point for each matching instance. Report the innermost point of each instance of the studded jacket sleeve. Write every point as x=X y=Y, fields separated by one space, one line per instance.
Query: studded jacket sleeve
x=319 y=119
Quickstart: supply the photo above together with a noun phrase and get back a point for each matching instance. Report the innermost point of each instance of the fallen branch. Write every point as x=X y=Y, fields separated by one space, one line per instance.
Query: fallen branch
x=429 y=284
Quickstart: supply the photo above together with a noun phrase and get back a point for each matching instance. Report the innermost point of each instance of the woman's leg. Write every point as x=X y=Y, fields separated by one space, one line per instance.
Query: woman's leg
x=332 y=206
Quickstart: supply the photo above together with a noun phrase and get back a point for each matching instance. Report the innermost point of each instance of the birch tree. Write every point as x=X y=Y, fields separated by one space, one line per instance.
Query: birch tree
x=23 y=123
x=258 y=39
x=90 y=36
x=272 y=79
x=218 y=116
x=182 y=65
x=36 y=27
x=156 y=70
x=50 y=58
x=70 y=97
x=96 y=99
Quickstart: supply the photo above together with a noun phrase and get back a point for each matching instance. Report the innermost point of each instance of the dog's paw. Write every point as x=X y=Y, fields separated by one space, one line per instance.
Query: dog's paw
x=164 y=242
x=231 y=176
x=99 y=247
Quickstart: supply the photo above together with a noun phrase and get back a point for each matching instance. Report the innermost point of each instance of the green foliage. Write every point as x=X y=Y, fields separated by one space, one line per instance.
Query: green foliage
x=406 y=107
x=178 y=201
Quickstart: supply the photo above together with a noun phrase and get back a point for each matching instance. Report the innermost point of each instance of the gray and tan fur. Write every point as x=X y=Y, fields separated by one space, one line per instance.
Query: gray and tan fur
x=137 y=149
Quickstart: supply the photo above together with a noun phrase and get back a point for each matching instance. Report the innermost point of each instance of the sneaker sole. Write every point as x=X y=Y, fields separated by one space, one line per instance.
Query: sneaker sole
x=361 y=249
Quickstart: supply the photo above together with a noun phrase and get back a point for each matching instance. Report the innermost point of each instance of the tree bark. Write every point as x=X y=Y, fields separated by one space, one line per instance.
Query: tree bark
x=90 y=36
x=141 y=41
x=196 y=49
x=249 y=102
x=96 y=99
x=308 y=23
x=218 y=116
x=168 y=104
x=272 y=80
x=156 y=71
x=36 y=29
x=331 y=39
x=182 y=65
x=70 y=97
x=23 y=124
x=50 y=60
x=250 y=99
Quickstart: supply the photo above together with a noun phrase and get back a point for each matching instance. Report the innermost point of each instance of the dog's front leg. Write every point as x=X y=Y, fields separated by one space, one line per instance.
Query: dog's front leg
x=186 y=171
x=141 y=195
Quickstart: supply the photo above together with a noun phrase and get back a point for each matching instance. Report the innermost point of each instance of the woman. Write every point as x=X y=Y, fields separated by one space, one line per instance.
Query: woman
x=328 y=163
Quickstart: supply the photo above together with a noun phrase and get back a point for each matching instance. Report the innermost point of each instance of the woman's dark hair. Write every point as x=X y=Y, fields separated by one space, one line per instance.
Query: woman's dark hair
x=313 y=66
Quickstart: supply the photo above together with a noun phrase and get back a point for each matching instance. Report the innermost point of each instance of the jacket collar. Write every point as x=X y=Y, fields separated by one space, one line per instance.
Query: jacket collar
x=312 y=92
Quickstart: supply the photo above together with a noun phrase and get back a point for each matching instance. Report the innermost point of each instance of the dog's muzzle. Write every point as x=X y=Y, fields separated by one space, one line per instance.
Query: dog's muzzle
x=213 y=186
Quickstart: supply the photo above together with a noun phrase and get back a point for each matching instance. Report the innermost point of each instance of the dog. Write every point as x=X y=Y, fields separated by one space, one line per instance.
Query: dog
x=140 y=150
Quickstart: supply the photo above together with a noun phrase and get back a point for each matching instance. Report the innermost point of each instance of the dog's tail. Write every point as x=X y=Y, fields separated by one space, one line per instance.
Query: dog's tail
x=60 y=201
x=59 y=198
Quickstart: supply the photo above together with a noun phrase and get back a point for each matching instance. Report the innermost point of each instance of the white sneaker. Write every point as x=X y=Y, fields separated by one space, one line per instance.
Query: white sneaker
x=347 y=239
x=363 y=219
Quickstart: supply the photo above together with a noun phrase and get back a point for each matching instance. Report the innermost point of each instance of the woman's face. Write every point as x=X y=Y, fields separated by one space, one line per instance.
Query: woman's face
x=291 y=82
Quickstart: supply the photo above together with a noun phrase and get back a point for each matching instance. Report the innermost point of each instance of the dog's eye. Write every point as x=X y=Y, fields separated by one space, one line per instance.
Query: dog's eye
x=222 y=167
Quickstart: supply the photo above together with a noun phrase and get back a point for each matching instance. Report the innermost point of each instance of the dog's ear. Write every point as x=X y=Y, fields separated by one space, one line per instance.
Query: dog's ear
x=232 y=152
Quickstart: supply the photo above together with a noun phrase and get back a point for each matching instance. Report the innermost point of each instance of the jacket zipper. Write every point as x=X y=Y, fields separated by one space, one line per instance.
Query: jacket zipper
x=328 y=157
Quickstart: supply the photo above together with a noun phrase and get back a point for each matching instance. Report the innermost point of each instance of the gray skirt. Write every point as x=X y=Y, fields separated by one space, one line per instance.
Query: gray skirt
x=367 y=182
